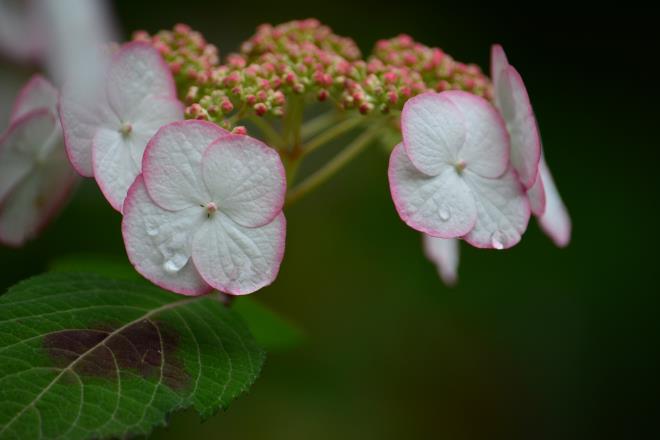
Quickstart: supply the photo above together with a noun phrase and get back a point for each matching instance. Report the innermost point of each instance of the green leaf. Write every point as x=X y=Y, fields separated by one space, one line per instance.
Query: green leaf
x=87 y=356
x=272 y=331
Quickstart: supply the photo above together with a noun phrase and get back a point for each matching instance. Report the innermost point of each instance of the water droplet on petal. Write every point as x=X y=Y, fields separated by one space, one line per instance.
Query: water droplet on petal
x=152 y=232
x=175 y=263
x=496 y=241
x=444 y=213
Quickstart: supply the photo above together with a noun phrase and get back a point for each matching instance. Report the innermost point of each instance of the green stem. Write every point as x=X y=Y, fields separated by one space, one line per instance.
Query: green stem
x=319 y=123
x=334 y=165
x=292 y=166
x=293 y=121
x=237 y=116
x=269 y=132
x=332 y=133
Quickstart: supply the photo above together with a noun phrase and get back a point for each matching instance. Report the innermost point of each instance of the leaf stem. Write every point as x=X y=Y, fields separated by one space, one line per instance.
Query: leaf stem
x=334 y=165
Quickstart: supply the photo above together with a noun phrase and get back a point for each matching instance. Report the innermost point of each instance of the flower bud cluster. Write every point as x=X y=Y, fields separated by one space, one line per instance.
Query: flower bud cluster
x=306 y=59
x=439 y=71
x=190 y=57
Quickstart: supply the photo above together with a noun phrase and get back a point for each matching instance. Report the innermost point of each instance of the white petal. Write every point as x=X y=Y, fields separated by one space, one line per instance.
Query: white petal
x=239 y=260
x=245 y=178
x=19 y=34
x=537 y=198
x=441 y=205
x=37 y=198
x=137 y=73
x=498 y=62
x=444 y=252
x=20 y=146
x=555 y=222
x=75 y=32
x=114 y=167
x=433 y=131
x=486 y=147
x=502 y=210
x=38 y=93
x=158 y=242
x=154 y=113
x=83 y=113
x=513 y=102
x=172 y=163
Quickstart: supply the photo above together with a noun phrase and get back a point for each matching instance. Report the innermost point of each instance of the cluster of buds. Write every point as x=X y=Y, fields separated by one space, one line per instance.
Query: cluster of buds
x=376 y=86
x=305 y=59
x=439 y=71
x=189 y=56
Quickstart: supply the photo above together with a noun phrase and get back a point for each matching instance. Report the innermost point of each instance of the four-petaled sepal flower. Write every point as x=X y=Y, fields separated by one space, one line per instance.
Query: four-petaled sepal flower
x=35 y=176
x=206 y=211
x=106 y=131
x=451 y=176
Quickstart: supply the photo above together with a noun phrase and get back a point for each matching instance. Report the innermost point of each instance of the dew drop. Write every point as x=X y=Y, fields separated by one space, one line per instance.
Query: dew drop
x=496 y=241
x=175 y=263
x=444 y=213
x=152 y=232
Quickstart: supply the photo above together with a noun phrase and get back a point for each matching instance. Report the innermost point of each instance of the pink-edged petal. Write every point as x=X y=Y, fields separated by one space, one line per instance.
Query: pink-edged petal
x=498 y=62
x=556 y=222
x=239 y=260
x=154 y=113
x=37 y=199
x=137 y=73
x=512 y=100
x=433 y=132
x=486 y=147
x=20 y=146
x=172 y=163
x=245 y=178
x=536 y=195
x=502 y=210
x=82 y=114
x=444 y=253
x=114 y=167
x=442 y=205
x=158 y=242
x=38 y=93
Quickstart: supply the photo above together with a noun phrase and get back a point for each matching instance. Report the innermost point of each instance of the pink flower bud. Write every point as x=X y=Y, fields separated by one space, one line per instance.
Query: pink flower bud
x=260 y=108
x=226 y=106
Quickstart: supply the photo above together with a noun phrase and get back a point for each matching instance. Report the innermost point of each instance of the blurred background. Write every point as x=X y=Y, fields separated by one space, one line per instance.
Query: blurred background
x=535 y=342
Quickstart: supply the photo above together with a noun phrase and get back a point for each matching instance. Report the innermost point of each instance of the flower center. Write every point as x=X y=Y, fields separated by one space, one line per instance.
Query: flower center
x=126 y=128
x=211 y=208
x=460 y=166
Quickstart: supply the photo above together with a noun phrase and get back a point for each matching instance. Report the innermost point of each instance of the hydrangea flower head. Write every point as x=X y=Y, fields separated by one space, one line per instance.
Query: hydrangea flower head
x=206 y=212
x=35 y=176
x=451 y=176
x=106 y=136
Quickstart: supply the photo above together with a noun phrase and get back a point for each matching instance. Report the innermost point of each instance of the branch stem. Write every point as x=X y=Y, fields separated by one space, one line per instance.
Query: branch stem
x=331 y=134
x=312 y=182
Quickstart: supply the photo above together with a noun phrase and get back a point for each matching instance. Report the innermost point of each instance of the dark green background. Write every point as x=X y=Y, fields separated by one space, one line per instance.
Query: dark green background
x=535 y=342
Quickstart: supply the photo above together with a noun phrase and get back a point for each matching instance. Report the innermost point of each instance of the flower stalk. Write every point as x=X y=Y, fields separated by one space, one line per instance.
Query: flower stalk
x=338 y=162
